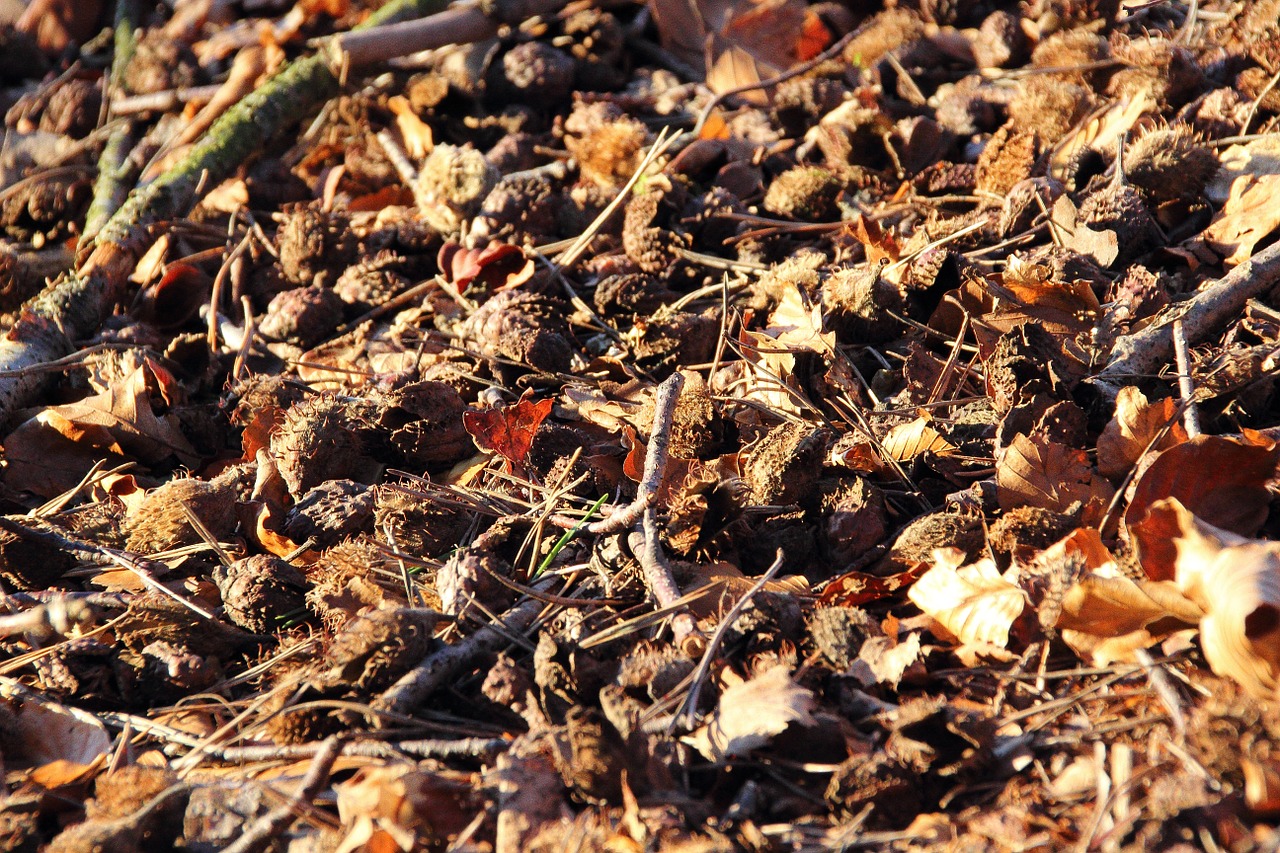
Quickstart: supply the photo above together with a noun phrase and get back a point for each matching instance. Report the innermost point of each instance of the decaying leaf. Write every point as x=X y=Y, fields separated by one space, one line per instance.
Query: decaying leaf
x=51 y=452
x=1222 y=481
x=45 y=731
x=1044 y=473
x=1251 y=213
x=854 y=589
x=974 y=604
x=400 y=807
x=750 y=714
x=907 y=441
x=884 y=660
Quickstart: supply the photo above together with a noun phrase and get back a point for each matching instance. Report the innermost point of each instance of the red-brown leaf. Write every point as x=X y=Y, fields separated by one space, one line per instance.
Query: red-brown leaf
x=508 y=430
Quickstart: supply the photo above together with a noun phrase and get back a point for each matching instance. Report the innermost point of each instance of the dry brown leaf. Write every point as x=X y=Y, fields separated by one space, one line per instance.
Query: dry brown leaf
x=1133 y=428
x=907 y=441
x=1048 y=475
x=725 y=584
x=51 y=452
x=974 y=604
x=884 y=660
x=738 y=43
x=1222 y=481
x=48 y=731
x=796 y=323
x=1101 y=132
x=1102 y=246
x=1031 y=292
x=399 y=807
x=1252 y=212
x=750 y=714
x=591 y=405
x=1255 y=159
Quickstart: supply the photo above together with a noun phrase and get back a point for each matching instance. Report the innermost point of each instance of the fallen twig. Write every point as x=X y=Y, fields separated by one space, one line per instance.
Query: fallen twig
x=436 y=668
x=263 y=831
x=109 y=189
x=1201 y=316
x=657 y=576
x=459 y=25
x=1186 y=386
x=655 y=461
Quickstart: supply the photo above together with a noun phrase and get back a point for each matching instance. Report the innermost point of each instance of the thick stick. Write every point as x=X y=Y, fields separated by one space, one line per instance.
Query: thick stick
x=1203 y=315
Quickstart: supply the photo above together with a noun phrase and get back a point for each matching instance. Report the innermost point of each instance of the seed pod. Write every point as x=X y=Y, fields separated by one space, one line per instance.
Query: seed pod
x=330 y=512
x=1009 y=157
x=304 y=316
x=453 y=184
x=161 y=524
x=259 y=591
x=318 y=440
x=315 y=246
x=1169 y=163
x=804 y=193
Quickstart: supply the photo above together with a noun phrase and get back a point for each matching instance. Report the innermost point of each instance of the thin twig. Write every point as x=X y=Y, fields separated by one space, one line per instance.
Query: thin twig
x=1215 y=304
x=263 y=831
x=1186 y=385
x=690 y=707
x=647 y=545
x=655 y=460
x=443 y=664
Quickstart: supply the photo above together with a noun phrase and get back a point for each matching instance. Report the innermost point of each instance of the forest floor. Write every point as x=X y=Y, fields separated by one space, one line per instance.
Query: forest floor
x=697 y=426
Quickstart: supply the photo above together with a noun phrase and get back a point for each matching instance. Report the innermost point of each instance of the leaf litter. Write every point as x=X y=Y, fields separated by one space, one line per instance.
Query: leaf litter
x=692 y=426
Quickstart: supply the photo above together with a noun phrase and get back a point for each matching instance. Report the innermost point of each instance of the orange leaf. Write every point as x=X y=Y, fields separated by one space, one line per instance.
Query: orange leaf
x=1049 y=475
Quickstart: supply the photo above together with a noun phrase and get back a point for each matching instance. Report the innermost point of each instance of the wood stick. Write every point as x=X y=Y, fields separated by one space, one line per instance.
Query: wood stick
x=1202 y=316
x=459 y=25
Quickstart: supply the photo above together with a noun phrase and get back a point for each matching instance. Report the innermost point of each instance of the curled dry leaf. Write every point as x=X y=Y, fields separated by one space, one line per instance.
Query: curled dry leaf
x=750 y=714
x=974 y=604
x=884 y=660
x=1251 y=213
x=508 y=430
x=51 y=452
x=854 y=589
x=399 y=807
x=723 y=584
x=1133 y=430
x=44 y=731
x=1103 y=615
x=1237 y=583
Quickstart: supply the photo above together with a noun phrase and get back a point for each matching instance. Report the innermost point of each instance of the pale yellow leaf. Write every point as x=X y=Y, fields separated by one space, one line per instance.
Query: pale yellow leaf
x=974 y=604
x=907 y=441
